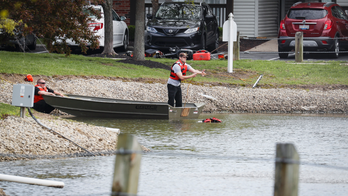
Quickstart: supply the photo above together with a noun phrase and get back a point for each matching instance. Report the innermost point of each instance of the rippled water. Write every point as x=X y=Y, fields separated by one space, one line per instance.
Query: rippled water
x=235 y=157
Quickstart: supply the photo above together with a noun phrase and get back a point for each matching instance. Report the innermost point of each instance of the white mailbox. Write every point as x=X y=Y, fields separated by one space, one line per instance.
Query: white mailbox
x=229 y=35
x=228 y=31
x=23 y=95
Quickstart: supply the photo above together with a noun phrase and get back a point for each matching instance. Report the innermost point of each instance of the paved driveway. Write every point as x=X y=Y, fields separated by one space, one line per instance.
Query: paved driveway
x=269 y=51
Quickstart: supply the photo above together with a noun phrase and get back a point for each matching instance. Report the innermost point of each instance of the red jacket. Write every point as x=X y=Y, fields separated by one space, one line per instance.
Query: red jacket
x=183 y=70
x=39 y=97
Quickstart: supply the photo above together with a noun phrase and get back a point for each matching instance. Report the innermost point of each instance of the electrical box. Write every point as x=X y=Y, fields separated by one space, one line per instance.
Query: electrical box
x=23 y=95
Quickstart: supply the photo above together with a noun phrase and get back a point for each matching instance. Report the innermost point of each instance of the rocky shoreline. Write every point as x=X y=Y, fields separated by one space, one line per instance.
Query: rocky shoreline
x=24 y=138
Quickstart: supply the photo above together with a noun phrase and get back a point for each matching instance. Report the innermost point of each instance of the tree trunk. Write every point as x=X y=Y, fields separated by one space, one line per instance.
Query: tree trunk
x=139 y=51
x=108 y=25
x=154 y=7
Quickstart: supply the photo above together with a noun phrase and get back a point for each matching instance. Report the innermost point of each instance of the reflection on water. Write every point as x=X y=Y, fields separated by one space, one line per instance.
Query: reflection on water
x=235 y=157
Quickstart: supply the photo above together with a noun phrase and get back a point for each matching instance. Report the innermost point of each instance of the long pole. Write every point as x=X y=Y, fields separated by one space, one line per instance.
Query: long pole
x=230 y=45
x=32 y=181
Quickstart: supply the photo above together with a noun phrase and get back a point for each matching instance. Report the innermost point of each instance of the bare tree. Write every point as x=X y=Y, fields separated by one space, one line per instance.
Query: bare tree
x=139 y=51
x=108 y=38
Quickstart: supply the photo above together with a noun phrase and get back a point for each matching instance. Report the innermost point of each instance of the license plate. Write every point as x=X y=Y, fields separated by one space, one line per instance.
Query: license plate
x=304 y=27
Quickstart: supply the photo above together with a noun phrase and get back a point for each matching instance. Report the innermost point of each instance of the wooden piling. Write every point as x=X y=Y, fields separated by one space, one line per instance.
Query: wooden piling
x=127 y=166
x=299 y=47
x=286 y=170
x=236 y=48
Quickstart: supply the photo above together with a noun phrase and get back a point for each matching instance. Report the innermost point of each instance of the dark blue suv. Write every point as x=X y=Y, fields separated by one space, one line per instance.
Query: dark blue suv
x=183 y=25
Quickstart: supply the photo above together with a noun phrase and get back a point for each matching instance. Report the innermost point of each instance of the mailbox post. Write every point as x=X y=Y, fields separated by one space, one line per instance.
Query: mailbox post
x=230 y=34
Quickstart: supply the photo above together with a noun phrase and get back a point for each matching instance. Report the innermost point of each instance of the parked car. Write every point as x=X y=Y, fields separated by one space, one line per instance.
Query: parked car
x=17 y=41
x=182 y=25
x=324 y=27
x=120 y=30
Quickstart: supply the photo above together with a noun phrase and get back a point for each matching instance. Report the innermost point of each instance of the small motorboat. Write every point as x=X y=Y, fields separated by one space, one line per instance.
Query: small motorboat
x=85 y=106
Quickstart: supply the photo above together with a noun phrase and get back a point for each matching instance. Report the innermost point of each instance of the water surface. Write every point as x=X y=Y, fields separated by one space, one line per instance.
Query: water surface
x=235 y=157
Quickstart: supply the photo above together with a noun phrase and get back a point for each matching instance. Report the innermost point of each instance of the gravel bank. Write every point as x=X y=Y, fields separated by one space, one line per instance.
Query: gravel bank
x=26 y=137
x=233 y=100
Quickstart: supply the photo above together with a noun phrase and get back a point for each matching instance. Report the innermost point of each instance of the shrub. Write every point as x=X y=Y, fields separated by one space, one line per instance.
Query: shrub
x=131 y=32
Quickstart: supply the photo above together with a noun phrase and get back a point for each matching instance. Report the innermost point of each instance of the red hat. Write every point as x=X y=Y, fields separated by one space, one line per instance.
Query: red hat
x=29 y=78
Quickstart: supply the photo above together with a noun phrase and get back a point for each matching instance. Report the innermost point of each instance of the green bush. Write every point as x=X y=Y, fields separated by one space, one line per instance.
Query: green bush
x=220 y=31
x=131 y=32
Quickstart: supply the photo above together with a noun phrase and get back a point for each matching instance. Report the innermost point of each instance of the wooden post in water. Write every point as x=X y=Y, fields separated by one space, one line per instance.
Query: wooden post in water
x=299 y=47
x=286 y=170
x=236 y=48
x=127 y=166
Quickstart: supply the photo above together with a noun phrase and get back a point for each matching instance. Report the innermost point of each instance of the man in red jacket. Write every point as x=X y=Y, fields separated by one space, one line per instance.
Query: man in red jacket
x=39 y=103
x=177 y=74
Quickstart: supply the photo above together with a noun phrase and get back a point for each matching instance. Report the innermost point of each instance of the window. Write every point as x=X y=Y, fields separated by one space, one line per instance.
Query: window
x=307 y=13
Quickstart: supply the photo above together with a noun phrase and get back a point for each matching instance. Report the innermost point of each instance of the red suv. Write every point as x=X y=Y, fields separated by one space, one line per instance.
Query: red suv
x=324 y=27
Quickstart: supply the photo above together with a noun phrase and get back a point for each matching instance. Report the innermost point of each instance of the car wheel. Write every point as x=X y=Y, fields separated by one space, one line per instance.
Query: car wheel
x=215 y=45
x=33 y=45
x=283 y=54
x=336 y=49
x=125 y=41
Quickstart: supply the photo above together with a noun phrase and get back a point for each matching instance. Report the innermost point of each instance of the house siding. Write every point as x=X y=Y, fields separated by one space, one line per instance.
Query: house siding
x=244 y=16
x=268 y=18
x=343 y=3
x=257 y=18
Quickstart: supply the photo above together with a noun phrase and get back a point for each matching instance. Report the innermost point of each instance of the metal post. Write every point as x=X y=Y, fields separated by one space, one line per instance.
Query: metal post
x=127 y=166
x=286 y=170
x=22 y=112
x=258 y=80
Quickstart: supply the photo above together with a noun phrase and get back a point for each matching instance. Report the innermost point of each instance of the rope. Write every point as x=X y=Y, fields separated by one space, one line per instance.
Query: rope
x=187 y=93
x=49 y=129
x=219 y=47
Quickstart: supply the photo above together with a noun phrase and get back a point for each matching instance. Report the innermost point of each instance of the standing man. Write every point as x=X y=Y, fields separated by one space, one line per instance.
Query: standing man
x=177 y=74
x=39 y=103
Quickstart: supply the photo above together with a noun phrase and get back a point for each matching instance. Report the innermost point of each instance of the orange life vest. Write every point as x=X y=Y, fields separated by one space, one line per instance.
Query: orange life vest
x=183 y=70
x=39 y=97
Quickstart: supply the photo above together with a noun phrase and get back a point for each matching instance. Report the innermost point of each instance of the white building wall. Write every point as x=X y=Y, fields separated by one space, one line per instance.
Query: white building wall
x=342 y=2
x=244 y=12
x=268 y=19
x=257 y=18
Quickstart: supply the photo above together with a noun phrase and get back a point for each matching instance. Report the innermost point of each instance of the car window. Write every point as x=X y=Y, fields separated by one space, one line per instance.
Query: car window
x=90 y=15
x=338 y=13
x=178 y=11
x=307 y=13
x=115 y=16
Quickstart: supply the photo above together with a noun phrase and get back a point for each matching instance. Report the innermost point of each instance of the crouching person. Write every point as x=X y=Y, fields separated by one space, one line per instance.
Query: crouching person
x=39 y=103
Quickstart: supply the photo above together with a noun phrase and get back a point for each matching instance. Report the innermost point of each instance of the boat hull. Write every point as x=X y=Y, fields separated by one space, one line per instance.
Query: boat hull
x=86 y=106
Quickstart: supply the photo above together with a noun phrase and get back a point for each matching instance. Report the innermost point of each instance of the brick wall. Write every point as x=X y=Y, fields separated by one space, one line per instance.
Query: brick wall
x=122 y=8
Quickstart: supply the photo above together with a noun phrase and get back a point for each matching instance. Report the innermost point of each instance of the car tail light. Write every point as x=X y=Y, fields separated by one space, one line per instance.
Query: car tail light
x=282 y=25
x=328 y=25
x=324 y=42
x=283 y=41
x=96 y=26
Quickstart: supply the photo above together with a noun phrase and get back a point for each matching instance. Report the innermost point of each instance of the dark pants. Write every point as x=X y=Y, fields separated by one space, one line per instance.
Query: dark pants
x=174 y=93
x=42 y=106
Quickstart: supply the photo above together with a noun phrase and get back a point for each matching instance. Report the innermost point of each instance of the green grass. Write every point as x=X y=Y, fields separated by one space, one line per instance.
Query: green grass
x=245 y=71
x=58 y=64
x=275 y=72
x=6 y=109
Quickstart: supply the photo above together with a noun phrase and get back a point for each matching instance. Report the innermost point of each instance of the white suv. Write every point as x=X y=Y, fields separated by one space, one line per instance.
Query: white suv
x=120 y=30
